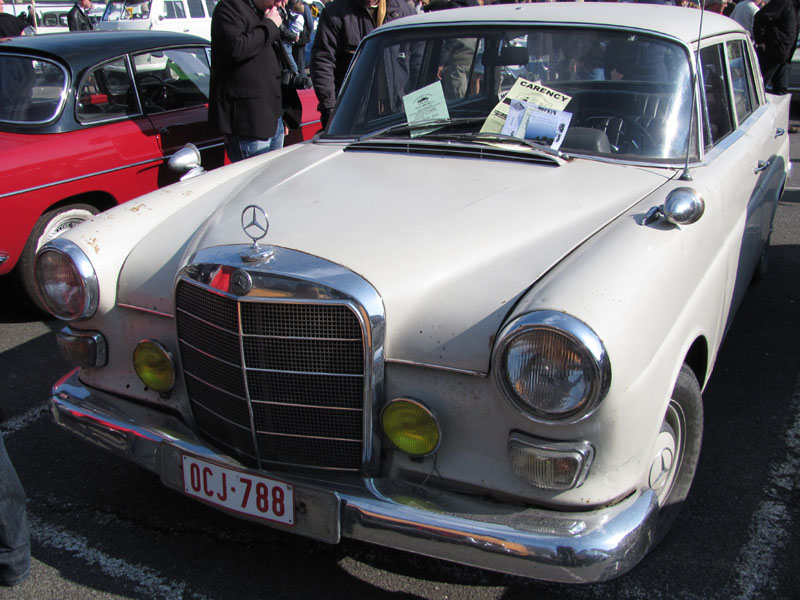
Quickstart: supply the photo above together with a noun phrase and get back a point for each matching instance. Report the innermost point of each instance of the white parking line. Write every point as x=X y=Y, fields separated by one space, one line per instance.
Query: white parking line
x=144 y=580
x=19 y=422
x=771 y=522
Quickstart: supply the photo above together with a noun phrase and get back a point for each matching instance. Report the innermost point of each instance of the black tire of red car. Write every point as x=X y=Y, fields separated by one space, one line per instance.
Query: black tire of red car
x=683 y=428
x=49 y=226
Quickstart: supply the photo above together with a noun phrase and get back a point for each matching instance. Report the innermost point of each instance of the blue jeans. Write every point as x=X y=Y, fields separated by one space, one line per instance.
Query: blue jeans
x=240 y=147
x=15 y=539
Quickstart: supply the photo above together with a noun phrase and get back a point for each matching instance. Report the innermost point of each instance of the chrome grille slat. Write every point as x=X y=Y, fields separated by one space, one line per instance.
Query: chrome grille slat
x=292 y=382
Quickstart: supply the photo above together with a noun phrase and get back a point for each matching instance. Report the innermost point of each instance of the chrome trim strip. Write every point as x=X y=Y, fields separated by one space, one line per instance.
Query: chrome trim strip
x=159 y=159
x=146 y=310
x=314 y=406
x=570 y=547
x=413 y=363
x=305 y=437
x=322 y=373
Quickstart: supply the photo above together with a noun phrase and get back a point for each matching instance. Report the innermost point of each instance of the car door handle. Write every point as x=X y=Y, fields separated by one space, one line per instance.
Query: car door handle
x=762 y=166
x=165 y=131
x=780 y=131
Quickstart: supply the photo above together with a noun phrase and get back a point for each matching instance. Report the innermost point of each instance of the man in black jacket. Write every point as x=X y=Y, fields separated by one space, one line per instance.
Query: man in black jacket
x=775 y=28
x=341 y=26
x=245 y=98
x=78 y=16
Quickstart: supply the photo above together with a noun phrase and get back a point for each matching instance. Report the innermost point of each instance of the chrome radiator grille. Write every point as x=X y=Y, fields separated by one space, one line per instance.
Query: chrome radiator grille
x=278 y=384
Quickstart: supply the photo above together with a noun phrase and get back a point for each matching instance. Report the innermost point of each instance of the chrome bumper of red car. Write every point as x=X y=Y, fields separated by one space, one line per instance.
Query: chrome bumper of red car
x=541 y=544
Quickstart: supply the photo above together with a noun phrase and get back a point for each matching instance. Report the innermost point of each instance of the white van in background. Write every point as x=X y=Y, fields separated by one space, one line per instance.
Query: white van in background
x=187 y=16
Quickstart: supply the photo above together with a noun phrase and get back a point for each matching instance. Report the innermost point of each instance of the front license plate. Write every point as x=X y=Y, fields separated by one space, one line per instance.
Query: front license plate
x=241 y=492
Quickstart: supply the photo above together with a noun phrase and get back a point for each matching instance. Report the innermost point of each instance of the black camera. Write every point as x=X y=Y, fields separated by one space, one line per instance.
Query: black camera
x=295 y=80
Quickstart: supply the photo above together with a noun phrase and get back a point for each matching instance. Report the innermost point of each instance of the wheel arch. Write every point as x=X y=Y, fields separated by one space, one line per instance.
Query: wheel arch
x=697 y=359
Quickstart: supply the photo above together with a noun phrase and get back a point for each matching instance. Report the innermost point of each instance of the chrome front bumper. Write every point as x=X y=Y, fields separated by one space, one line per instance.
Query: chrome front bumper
x=541 y=544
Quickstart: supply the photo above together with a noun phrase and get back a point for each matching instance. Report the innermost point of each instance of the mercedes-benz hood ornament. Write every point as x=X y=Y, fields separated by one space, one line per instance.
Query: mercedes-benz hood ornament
x=255 y=225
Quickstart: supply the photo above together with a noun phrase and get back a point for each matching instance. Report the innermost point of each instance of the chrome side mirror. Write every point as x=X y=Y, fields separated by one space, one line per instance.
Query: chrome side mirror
x=683 y=206
x=187 y=160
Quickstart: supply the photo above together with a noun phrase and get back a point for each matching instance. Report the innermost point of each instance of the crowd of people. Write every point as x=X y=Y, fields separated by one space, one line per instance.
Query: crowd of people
x=275 y=32
x=258 y=49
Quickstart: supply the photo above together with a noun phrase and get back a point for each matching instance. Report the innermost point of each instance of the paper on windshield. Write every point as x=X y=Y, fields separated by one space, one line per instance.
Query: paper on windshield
x=425 y=104
x=535 y=122
x=527 y=91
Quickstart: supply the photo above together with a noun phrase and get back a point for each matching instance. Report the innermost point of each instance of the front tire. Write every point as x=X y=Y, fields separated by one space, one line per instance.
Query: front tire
x=677 y=451
x=49 y=226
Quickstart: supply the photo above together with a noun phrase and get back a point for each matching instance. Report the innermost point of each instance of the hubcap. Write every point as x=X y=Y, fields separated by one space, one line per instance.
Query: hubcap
x=667 y=457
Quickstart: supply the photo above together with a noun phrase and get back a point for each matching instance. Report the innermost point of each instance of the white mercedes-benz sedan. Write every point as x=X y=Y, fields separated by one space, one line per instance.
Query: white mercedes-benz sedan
x=473 y=319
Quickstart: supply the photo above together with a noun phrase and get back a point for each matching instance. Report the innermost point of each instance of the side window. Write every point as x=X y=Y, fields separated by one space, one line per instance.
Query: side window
x=105 y=93
x=172 y=79
x=196 y=9
x=173 y=9
x=210 y=6
x=718 y=120
x=741 y=80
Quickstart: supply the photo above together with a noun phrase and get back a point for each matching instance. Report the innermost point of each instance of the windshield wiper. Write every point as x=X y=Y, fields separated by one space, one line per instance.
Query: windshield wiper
x=507 y=139
x=427 y=124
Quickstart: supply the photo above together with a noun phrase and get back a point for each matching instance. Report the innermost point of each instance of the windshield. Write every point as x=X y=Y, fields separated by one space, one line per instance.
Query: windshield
x=127 y=10
x=586 y=91
x=32 y=90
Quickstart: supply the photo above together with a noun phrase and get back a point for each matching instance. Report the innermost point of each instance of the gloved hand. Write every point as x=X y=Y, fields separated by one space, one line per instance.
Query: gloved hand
x=324 y=116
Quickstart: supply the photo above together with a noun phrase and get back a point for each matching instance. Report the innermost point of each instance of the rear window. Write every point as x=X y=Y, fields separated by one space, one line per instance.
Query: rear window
x=32 y=90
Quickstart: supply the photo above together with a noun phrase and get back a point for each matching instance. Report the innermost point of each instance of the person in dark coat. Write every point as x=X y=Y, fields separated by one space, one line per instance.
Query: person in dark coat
x=15 y=539
x=775 y=28
x=245 y=97
x=11 y=25
x=341 y=26
x=78 y=16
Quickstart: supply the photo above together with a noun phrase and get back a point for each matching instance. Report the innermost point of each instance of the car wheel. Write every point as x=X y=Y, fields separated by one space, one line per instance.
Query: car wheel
x=49 y=226
x=677 y=450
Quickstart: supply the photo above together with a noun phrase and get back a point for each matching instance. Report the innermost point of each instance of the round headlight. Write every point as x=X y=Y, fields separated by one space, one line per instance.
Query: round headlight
x=411 y=427
x=153 y=365
x=552 y=366
x=67 y=281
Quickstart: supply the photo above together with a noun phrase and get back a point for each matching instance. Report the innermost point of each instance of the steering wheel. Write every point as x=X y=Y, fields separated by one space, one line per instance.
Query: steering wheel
x=155 y=98
x=625 y=138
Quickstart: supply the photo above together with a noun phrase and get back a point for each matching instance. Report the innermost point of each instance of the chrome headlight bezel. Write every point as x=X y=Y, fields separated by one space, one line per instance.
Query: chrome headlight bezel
x=87 y=276
x=576 y=335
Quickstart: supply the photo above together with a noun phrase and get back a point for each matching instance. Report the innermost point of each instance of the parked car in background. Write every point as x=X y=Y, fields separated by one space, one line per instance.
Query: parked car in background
x=186 y=16
x=87 y=121
x=473 y=319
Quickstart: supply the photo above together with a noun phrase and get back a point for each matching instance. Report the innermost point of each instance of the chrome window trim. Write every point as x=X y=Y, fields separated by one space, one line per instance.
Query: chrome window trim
x=62 y=96
x=317 y=281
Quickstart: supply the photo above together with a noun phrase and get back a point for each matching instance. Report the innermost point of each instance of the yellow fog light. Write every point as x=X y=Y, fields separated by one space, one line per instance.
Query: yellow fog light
x=550 y=465
x=153 y=365
x=411 y=427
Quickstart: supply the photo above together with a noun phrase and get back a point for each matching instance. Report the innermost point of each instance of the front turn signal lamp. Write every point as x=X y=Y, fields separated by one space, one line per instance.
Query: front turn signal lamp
x=154 y=366
x=550 y=465
x=411 y=427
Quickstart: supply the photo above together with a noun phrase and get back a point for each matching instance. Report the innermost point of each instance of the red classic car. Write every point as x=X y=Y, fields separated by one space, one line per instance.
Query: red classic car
x=89 y=120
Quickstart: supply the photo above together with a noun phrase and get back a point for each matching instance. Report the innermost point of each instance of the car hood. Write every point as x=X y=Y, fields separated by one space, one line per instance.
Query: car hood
x=450 y=244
